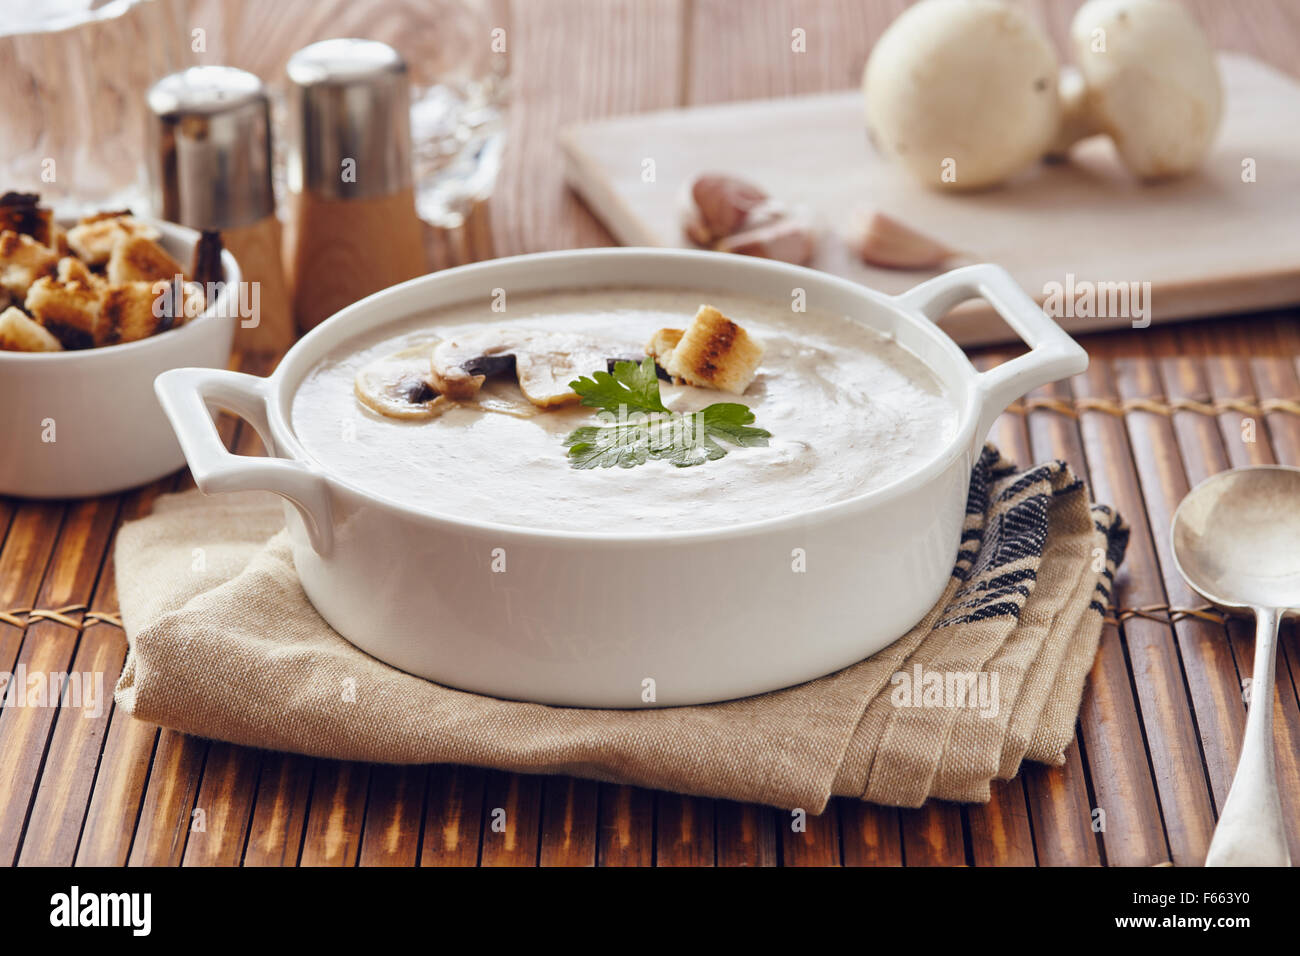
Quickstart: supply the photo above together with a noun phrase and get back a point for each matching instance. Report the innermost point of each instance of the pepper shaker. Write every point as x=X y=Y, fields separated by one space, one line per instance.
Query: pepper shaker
x=209 y=134
x=353 y=228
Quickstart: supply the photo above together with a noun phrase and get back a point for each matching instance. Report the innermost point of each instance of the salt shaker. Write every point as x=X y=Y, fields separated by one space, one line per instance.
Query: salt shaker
x=209 y=134
x=353 y=228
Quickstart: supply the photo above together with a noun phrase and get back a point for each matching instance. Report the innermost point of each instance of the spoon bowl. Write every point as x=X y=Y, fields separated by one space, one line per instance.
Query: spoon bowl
x=1236 y=539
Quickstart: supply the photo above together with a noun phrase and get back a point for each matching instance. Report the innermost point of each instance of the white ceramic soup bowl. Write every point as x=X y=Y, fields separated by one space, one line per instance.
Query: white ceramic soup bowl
x=87 y=422
x=611 y=619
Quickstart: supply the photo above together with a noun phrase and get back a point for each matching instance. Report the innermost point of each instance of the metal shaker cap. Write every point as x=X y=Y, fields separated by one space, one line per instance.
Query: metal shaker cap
x=209 y=133
x=350 y=118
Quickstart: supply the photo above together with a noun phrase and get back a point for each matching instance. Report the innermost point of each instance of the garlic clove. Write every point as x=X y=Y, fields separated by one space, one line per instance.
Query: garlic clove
x=787 y=240
x=724 y=204
x=883 y=241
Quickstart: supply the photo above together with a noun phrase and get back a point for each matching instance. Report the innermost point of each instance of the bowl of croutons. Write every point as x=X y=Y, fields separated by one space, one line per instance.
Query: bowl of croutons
x=91 y=312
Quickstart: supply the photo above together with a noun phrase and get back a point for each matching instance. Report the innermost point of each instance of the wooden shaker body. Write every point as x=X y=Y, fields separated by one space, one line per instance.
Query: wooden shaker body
x=258 y=250
x=342 y=250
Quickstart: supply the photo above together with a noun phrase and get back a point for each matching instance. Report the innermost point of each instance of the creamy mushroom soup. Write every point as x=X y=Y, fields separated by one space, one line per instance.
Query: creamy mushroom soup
x=848 y=410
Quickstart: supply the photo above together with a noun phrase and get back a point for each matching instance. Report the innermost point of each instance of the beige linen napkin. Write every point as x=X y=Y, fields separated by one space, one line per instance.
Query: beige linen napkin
x=224 y=644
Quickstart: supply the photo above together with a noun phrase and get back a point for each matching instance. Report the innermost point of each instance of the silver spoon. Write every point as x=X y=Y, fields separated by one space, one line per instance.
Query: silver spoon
x=1236 y=540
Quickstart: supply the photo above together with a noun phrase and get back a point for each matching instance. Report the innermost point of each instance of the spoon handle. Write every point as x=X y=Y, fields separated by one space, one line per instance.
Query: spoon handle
x=1250 y=830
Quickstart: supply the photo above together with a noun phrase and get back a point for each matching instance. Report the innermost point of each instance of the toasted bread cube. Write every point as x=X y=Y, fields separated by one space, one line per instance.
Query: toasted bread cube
x=662 y=343
x=68 y=309
x=18 y=333
x=72 y=269
x=137 y=259
x=661 y=346
x=178 y=307
x=23 y=260
x=715 y=352
x=94 y=239
x=22 y=213
x=129 y=313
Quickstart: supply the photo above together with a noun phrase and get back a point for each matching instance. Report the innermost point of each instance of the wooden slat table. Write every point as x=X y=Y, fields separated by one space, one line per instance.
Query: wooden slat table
x=1158 y=410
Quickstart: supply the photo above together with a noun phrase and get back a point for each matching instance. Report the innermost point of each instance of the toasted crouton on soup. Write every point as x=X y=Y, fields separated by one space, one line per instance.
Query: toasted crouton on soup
x=714 y=352
x=662 y=343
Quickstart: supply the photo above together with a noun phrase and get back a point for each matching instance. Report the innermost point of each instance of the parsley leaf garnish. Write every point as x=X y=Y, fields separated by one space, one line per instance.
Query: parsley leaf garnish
x=635 y=426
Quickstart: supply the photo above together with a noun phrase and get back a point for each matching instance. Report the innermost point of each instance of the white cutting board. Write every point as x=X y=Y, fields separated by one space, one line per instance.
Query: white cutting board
x=1208 y=243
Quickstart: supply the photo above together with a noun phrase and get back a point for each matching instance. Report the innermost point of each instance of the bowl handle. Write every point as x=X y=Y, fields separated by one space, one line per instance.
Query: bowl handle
x=185 y=394
x=1053 y=354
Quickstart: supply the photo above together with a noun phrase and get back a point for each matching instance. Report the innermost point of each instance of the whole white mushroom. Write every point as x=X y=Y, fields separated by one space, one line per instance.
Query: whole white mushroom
x=963 y=93
x=1148 y=78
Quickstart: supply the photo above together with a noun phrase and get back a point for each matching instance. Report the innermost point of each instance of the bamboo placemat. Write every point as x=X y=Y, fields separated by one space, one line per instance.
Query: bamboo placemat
x=1158 y=411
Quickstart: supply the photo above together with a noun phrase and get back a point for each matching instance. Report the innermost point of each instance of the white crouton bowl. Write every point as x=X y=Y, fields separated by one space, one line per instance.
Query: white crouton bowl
x=86 y=422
